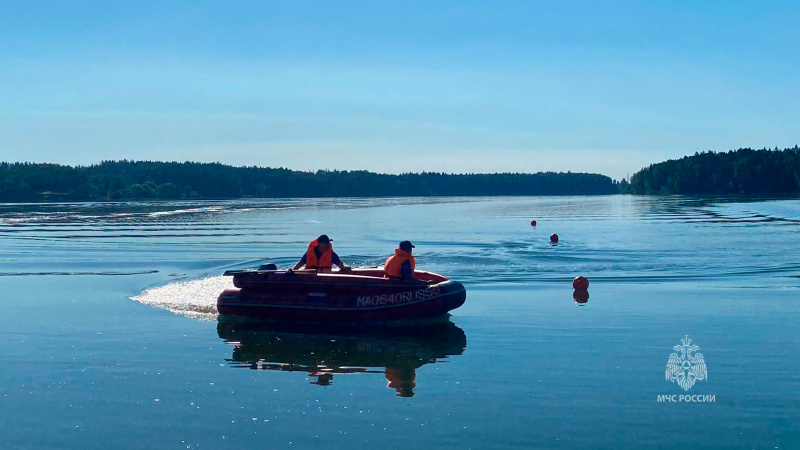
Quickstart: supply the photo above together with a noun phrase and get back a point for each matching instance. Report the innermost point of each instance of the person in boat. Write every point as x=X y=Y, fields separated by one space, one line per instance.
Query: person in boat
x=320 y=256
x=401 y=265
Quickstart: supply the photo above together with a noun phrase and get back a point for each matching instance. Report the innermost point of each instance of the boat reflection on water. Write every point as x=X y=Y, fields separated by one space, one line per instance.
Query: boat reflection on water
x=323 y=351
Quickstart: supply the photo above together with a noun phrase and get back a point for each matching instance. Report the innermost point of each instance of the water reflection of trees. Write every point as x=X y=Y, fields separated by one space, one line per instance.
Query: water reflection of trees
x=323 y=352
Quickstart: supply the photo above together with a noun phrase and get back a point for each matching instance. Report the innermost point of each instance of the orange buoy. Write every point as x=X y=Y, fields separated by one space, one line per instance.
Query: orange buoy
x=580 y=283
x=553 y=238
x=533 y=223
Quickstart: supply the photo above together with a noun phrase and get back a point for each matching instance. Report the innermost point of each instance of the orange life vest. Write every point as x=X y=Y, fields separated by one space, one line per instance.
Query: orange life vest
x=394 y=265
x=325 y=260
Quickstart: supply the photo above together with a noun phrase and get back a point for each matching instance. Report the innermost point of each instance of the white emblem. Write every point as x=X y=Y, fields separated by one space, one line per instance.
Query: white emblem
x=686 y=369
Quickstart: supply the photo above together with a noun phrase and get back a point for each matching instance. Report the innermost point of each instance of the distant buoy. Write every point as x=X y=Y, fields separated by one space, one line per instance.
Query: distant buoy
x=533 y=223
x=580 y=283
x=581 y=296
x=553 y=238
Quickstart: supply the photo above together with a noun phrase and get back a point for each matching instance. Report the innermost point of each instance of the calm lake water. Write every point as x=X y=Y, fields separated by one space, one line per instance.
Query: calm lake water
x=109 y=339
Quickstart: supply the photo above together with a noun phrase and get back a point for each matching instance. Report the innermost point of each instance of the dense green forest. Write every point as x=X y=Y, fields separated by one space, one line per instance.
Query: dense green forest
x=116 y=180
x=743 y=171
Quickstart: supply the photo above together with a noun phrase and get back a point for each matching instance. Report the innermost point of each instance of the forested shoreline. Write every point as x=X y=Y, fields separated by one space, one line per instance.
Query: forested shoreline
x=126 y=180
x=742 y=171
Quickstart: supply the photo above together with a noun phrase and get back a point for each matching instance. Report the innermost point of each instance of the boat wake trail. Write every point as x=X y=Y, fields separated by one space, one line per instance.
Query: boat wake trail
x=194 y=298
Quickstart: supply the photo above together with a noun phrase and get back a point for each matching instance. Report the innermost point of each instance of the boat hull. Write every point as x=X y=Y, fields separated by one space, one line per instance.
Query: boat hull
x=339 y=298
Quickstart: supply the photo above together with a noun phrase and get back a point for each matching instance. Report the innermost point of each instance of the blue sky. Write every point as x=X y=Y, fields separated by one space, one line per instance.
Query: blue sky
x=455 y=86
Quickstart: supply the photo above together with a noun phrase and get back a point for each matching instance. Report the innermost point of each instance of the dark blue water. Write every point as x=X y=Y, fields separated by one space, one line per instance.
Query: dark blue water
x=521 y=363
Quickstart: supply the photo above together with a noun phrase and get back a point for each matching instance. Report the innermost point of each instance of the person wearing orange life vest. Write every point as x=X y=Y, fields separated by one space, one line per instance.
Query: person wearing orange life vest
x=320 y=256
x=401 y=265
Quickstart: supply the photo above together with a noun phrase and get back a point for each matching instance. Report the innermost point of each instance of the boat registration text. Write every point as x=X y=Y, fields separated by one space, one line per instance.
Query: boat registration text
x=400 y=297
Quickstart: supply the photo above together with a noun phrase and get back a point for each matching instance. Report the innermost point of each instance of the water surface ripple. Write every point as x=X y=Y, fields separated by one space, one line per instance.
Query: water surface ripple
x=524 y=363
x=478 y=241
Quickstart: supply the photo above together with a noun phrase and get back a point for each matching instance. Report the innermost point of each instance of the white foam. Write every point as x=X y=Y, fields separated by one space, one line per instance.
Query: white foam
x=195 y=298
x=202 y=209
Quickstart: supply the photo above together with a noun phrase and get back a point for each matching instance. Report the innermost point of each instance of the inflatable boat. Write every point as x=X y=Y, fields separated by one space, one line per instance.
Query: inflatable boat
x=360 y=295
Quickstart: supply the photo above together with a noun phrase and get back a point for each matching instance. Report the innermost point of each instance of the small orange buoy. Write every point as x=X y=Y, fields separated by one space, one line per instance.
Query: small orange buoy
x=580 y=283
x=533 y=223
x=553 y=237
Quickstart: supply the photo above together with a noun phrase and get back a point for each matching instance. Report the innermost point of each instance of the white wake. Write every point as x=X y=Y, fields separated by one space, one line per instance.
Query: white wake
x=195 y=298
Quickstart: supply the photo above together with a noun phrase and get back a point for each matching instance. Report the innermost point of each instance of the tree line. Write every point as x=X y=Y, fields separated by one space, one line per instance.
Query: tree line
x=742 y=171
x=121 y=180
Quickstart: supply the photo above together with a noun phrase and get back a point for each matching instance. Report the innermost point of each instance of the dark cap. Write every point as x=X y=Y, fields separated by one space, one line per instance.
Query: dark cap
x=406 y=245
x=324 y=239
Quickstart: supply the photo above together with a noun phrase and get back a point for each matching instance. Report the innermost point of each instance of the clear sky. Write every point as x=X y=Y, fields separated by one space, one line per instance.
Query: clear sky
x=396 y=86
